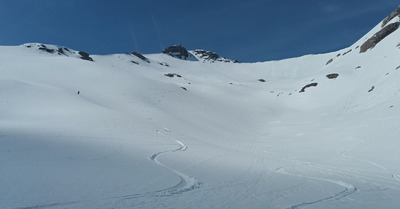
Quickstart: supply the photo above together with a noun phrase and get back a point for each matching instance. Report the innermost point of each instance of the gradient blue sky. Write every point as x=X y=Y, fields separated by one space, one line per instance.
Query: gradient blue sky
x=249 y=31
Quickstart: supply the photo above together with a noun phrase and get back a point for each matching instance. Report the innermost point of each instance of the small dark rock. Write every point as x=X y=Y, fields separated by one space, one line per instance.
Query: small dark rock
x=171 y=75
x=140 y=56
x=357 y=47
x=358 y=67
x=164 y=64
x=338 y=55
x=347 y=52
x=184 y=88
x=379 y=36
x=372 y=88
x=135 y=62
x=332 y=75
x=85 y=56
x=307 y=86
x=261 y=80
x=397 y=67
x=329 y=62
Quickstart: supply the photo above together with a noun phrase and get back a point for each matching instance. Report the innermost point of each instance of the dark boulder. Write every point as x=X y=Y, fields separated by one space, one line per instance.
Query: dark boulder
x=85 y=56
x=379 y=36
x=171 y=75
x=347 y=52
x=332 y=75
x=371 y=89
x=307 y=86
x=329 y=62
x=140 y=56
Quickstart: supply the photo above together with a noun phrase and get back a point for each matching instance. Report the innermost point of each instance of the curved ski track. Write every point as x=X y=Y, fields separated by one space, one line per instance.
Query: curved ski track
x=186 y=183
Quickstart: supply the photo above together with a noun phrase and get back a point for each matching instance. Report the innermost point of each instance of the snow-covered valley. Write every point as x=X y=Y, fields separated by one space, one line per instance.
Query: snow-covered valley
x=162 y=132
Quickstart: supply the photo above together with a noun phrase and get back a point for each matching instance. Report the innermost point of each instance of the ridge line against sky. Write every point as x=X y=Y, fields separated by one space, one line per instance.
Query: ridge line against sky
x=249 y=31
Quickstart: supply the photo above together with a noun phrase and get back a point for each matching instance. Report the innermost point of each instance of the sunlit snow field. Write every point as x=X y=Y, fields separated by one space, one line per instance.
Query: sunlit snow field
x=134 y=138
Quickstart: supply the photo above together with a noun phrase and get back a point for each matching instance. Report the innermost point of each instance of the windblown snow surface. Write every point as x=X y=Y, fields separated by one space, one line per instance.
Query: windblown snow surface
x=215 y=137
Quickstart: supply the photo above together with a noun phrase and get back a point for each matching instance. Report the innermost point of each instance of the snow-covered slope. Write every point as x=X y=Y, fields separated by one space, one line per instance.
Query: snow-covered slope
x=154 y=131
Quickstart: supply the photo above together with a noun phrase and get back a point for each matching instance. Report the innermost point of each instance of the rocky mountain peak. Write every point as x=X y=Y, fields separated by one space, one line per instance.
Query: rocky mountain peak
x=178 y=51
x=211 y=56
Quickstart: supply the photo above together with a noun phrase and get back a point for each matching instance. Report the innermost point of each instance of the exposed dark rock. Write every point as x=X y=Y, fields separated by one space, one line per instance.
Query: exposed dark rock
x=85 y=56
x=184 y=88
x=347 y=52
x=44 y=48
x=307 y=86
x=164 y=64
x=391 y=16
x=212 y=56
x=372 y=88
x=329 y=62
x=398 y=45
x=338 y=55
x=140 y=56
x=358 y=67
x=60 y=51
x=357 y=47
x=332 y=75
x=261 y=80
x=397 y=68
x=379 y=36
x=172 y=75
x=206 y=54
x=177 y=51
x=135 y=62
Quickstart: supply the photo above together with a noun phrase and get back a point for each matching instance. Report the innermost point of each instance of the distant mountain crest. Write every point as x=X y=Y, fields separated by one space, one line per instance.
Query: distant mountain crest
x=180 y=52
x=211 y=56
x=63 y=51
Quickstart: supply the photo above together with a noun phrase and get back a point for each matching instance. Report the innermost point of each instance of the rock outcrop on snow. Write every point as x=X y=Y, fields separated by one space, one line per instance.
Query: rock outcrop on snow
x=85 y=56
x=308 y=86
x=211 y=56
x=140 y=56
x=379 y=36
x=391 y=16
x=63 y=51
x=178 y=51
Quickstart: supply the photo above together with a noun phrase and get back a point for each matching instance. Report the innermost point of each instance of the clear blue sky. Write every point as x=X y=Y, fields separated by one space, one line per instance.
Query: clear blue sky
x=251 y=30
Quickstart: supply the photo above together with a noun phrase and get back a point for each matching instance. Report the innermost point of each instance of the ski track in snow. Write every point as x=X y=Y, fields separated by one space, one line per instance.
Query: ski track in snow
x=349 y=189
x=186 y=183
x=47 y=205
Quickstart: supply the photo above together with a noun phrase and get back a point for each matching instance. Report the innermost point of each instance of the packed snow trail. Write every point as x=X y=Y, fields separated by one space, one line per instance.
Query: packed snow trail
x=186 y=183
